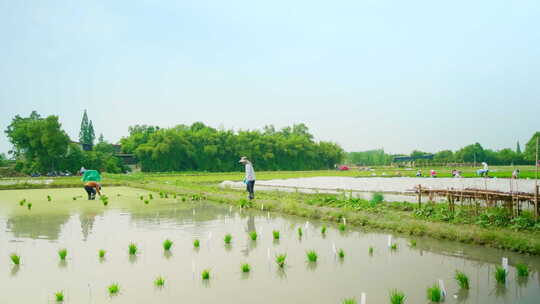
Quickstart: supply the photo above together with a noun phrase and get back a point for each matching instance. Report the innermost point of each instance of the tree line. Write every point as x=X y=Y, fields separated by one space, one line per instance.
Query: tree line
x=468 y=154
x=199 y=147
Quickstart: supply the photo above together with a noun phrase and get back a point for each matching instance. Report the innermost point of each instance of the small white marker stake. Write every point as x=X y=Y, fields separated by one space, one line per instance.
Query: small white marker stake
x=268 y=254
x=210 y=235
x=363 y=298
x=443 y=290
x=262 y=207
x=344 y=221
x=193 y=266
x=334 y=248
x=268 y=215
x=193 y=211
x=230 y=209
x=306 y=225
x=389 y=241
x=505 y=263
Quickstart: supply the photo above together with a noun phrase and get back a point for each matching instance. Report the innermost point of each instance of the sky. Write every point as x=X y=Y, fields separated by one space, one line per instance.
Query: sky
x=398 y=75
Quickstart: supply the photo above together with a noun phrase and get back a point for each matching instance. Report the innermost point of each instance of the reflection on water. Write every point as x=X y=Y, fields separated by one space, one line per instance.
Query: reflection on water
x=85 y=227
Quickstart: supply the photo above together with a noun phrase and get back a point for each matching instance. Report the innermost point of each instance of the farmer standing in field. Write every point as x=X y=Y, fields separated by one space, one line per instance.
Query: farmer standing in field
x=249 y=180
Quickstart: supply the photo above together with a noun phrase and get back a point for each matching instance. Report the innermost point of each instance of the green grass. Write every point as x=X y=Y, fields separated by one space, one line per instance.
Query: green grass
x=397 y=297
x=462 y=279
x=59 y=295
x=62 y=253
x=311 y=256
x=196 y=243
x=227 y=239
x=434 y=293
x=15 y=258
x=280 y=259
x=253 y=235
x=522 y=270
x=500 y=275
x=159 y=281
x=101 y=253
x=275 y=233
x=342 y=227
x=349 y=301
x=132 y=249
x=113 y=289
x=370 y=250
x=393 y=246
x=167 y=244
x=29 y=206
x=300 y=233
x=323 y=230
x=205 y=274
x=341 y=253
x=245 y=267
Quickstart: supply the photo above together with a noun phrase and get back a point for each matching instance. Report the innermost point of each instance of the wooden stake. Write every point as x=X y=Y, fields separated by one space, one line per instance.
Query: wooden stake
x=419 y=196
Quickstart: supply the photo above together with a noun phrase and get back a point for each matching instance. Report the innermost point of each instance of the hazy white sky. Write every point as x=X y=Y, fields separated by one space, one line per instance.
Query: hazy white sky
x=366 y=74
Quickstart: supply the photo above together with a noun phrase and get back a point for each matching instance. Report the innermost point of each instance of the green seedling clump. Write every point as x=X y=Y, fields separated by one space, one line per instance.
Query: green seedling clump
x=183 y=199
x=146 y=201
x=62 y=253
x=311 y=256
x=323 y=230
x=74 y=198
x=141 y=197
x=49 y=198
x=300 y=233
x=245 y=267
x=166 y=195
x=462 y=279
x=16 y=259
x=341 y=253
x=434 y=293
x=412 y=243
x=522 y=270
x=227 y=238
x=132 y=248
x=196 y=243
x=29 y=205
x=59 y=295
x=150 y=196
x=167 y=244
x=376 y=198
x=161 y=194
x=397 y=297
x=500 y=275
x=114 y=289
x=21 y=202
x=371 y=250
x=101 y=253
x=205 y=274
x=342 y=227
x=349 y=301
x=280 y=260
x=253 y=235
x=393 y=246
x=275 y=233
x=159 y=281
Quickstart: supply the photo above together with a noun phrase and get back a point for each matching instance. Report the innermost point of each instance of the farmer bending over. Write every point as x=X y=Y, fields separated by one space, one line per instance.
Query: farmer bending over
x=92 y=188
x=250 y=177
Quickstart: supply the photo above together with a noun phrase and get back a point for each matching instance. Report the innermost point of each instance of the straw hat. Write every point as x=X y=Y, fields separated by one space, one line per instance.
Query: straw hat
x=243 y=159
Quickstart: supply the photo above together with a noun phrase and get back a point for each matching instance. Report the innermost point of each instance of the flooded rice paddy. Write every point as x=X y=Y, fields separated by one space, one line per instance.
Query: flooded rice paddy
x=84 y=227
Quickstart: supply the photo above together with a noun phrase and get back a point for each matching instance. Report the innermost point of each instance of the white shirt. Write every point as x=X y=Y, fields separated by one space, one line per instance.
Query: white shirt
x=250 y=173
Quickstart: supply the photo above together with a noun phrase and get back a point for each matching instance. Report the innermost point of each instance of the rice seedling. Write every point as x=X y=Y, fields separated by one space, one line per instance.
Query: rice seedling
x=183 y=199
x=376 y=198
x=300 y=233
x=49 y=198
x=114 y=289
x=62 y=253
x=59 y=295
x=167 y=244
x=101 y=253
x=196 y=243
x=323 y=230
x=21 y=202
x=141 y=197
x=434 y=293
x=132 y=248
x=161 y=194
x=462 y=279
x=205 y=274
x=412 y=243
x=245 y=268
x=159 y=281
x=342 y=227
x=74 y=198
x=522 y=270
x=275 y=233
x=29 y=206
x=253 y=235
x=311 y=256
x=393 y=246
x=341 y=253
x=15 y=258
x=174 y=196
x=500 y=275
x=105 y=200
x=227 y=238
x=150 y=196
x=349 y=301
x=166 y=195
x=370 y=250
x=397 y=297
x=280 y=259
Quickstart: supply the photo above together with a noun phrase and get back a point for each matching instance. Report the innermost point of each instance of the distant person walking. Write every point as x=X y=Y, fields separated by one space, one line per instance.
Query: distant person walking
x=515 y=174
x=249 y=180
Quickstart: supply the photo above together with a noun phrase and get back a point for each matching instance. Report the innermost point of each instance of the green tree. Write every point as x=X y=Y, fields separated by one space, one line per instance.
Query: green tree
x=530 y=148
x=3 y=160
x=86 y=133
x=471 y=153
x=518 y=148
x=39 y=144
